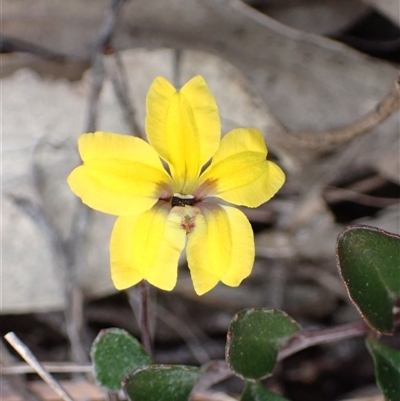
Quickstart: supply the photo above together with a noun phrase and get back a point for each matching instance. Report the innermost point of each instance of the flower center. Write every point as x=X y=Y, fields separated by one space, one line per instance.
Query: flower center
x=188 y=223
x=183 y=200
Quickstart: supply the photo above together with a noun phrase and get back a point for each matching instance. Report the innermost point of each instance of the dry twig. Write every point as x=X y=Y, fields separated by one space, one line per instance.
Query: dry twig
x=213 y=373
x=74 y=309
x=324 y=142
x=51 y=367
x=16 y=383
x=103 y=43
x=27 y=355
x=116 y=71
x=185 y=330
x=62 y=257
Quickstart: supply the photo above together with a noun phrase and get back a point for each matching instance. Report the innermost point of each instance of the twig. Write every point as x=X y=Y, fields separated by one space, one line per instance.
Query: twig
x=368 y=184
x=277 y=283
x=177 y=67
x=52 y=367
x=36 y=213
x=16 y=383
x=97 y=77
x=144 y=317
x=213 y=373
x=335 y=195
x=61 y=255
x=104 y=40
x=67 y=253
x=329 y=140
x=74 y=307
x=27 y=355
x=74 y=319
x=180 y=326
x=10 y=45
x=116 y=71
x=185 y=331
x=325 y=279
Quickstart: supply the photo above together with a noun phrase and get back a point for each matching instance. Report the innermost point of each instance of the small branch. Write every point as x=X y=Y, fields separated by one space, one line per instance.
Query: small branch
x=74 y=293
x=357 y=192
x=10 y=45
x=61 y=255
x=74 y=310
x=51 y=367
x=369 y=184
x=104 y=40
x=36 y=213
x=181 y=326
x=116 y=71
x=213 y=373
x=144 y=317
x=335 y=195
x=329 y=140
x=177 y=66
x=27 y=355
x=325 y=279
x=74 y=319
x=185 y=331
x=17 y=383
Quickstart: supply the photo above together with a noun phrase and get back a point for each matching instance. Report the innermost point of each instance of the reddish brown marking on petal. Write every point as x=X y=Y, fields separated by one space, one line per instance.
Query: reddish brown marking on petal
x=188 y=223
x=207 y=188
x=164 y=191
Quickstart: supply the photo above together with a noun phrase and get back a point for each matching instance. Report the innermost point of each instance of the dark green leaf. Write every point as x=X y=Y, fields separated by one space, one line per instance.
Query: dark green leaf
x=369 y=262
x=256 y=392
x=115 y=353
x=254 y=339
x=387 y=369
x=161 y=383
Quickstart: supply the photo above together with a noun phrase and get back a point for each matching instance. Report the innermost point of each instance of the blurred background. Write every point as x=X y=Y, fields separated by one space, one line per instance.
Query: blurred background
x=309 y=74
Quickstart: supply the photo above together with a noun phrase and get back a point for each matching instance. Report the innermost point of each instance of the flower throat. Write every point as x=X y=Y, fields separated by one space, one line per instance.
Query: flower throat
x=183 y=200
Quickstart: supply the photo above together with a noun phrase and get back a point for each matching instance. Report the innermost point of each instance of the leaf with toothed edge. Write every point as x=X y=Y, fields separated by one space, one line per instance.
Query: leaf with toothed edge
x=254 y=338
x=115 y=353
x=369 y=262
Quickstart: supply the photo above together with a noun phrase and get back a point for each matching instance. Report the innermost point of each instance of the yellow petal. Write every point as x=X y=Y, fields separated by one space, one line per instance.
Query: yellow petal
x=121 y=174
x=220 y=247
x=147 y=247
x=184 y=127
x=239 y=172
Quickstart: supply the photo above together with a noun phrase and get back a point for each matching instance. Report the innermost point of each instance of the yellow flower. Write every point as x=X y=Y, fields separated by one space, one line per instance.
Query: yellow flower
x=160 y=206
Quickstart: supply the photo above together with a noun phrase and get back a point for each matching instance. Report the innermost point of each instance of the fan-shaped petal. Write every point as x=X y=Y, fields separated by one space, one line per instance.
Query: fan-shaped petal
x=239 y=172
x=147 y=247
x=220 y=247
x=184 y=127
x=121 y=174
